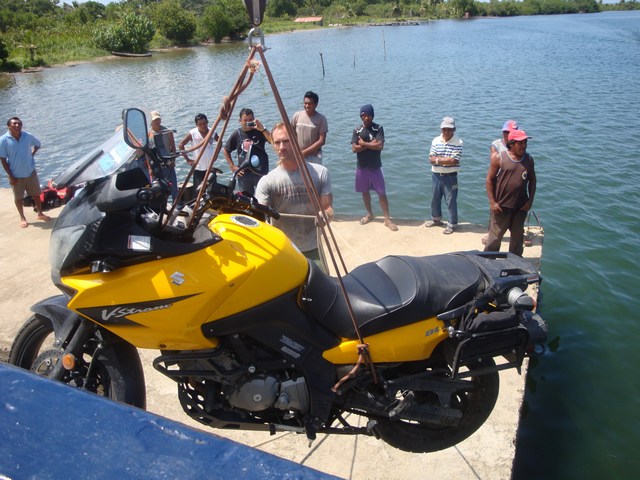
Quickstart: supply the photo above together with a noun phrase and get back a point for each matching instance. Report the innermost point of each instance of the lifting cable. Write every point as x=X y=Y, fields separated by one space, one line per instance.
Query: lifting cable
x=255 y=9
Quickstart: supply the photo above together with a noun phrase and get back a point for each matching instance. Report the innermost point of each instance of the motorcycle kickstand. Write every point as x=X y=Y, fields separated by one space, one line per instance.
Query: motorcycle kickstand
x=310 y=430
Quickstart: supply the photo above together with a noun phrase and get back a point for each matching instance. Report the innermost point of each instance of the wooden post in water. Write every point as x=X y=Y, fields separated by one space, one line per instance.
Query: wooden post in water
x=384 y=46
x=354 y=59
x=322 y=62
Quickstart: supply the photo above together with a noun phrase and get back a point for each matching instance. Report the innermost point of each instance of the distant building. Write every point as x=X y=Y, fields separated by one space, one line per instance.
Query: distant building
x=314 y=20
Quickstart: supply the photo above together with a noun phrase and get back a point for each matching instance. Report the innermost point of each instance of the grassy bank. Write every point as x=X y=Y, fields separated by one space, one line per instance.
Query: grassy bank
x=47 y=47
x=62 y=44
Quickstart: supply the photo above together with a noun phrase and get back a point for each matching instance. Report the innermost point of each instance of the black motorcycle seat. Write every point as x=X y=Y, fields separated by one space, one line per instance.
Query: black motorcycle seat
x=392 y=292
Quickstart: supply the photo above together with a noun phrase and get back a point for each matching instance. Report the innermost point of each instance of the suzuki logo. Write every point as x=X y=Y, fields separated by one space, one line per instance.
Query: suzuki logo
x=177 y=278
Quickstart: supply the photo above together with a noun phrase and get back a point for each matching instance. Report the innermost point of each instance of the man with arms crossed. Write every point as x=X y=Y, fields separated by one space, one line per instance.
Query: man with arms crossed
x=367 y=141
x=444 y=156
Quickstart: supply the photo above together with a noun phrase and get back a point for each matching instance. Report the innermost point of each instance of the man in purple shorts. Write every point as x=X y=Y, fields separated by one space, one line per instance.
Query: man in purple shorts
x=367 y=142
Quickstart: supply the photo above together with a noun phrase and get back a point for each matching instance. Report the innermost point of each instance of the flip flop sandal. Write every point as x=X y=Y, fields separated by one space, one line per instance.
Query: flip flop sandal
x=391 y=226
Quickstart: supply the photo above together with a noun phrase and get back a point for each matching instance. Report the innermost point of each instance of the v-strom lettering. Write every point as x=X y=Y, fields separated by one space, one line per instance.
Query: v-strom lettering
x=119 y=314
x=124 y=311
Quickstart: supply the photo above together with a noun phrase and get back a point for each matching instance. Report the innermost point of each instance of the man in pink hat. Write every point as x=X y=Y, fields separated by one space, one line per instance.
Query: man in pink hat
x=498 y=146
x=511 y=186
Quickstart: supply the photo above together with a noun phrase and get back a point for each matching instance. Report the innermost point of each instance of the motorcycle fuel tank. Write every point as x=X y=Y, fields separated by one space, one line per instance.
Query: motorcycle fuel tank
x=162 y=303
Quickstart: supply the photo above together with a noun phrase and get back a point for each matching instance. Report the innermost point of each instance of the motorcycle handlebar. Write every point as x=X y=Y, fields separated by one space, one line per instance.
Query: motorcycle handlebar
x=266 y=210
x=250 y=202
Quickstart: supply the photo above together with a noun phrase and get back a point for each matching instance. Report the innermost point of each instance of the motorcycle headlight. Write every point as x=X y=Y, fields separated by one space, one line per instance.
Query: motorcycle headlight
x=62 y=242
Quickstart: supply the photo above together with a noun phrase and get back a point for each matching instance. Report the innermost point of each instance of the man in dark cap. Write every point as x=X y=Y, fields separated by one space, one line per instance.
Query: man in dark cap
x=367 y=142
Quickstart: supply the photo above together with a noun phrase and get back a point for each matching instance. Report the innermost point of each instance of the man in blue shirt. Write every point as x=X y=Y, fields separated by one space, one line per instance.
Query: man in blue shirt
x=17 y=149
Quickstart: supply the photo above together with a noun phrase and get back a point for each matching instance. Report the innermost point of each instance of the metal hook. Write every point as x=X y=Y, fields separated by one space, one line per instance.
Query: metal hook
x=256 y=31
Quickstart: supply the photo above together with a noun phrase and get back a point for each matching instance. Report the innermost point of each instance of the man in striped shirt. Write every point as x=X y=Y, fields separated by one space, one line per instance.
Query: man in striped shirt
x=445 y=155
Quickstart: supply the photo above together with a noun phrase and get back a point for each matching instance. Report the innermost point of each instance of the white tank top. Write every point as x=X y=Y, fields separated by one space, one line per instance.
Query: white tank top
x=207 y=156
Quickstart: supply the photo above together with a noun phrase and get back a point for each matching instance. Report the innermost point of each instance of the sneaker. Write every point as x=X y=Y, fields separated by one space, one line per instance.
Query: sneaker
x=433 y=223
x=448 y=230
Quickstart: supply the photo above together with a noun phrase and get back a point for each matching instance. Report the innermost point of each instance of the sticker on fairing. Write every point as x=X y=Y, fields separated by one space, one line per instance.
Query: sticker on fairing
x=139 y=243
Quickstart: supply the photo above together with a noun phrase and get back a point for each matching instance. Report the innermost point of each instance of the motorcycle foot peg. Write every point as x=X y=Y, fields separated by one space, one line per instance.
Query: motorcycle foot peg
x=371 y=428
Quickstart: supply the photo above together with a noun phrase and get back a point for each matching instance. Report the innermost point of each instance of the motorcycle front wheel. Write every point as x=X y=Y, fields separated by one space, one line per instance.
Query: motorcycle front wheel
x=475 y=403
x=114 y=372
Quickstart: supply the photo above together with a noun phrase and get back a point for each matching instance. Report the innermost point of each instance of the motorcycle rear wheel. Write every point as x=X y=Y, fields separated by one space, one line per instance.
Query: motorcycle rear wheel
x=476 y=406
x=115 y=372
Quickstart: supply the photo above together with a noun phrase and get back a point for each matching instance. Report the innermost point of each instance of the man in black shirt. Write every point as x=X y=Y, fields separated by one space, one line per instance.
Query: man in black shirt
x=251 y=135
x=367 y=142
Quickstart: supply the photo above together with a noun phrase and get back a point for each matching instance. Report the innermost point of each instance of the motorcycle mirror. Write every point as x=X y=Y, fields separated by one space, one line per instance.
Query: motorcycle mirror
x=253 y=161
x=135 y=128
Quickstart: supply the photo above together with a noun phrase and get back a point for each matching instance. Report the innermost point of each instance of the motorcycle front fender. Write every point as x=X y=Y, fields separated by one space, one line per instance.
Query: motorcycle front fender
x=55 y=308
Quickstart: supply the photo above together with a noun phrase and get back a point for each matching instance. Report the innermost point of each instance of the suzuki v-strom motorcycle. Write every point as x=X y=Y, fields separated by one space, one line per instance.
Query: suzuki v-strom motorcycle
x=257 y=337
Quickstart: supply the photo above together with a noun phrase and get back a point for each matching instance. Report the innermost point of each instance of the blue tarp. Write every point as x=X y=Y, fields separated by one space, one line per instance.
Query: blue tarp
x=50 y=430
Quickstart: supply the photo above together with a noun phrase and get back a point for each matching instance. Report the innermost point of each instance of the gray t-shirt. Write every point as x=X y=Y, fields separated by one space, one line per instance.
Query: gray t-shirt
x=308 y=130
x=285 y=191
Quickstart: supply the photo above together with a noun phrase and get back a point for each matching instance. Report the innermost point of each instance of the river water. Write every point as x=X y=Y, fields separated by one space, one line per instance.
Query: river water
x=571 y=81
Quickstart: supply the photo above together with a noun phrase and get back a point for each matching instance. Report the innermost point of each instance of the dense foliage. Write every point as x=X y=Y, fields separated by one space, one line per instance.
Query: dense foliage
x=177 y=24
x=131 y=34
x=44 y=32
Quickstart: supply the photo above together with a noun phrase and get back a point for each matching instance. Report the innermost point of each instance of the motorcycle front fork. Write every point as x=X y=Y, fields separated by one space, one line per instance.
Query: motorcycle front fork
x=74 y=347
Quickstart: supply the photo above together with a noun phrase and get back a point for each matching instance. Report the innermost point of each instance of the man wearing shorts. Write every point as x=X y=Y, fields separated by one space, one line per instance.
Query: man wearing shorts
x=367 y=142
x=17 y=149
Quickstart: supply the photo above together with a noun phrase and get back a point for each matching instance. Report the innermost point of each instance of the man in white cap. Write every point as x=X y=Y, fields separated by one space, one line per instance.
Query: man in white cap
x=445 y=155
x=511 y=186
x=159 y=133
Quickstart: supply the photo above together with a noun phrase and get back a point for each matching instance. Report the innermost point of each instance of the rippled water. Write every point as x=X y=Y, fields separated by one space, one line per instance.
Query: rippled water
x=573 y=84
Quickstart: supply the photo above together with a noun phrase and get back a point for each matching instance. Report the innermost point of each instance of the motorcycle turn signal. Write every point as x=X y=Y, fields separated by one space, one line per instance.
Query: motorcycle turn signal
x=68 y=361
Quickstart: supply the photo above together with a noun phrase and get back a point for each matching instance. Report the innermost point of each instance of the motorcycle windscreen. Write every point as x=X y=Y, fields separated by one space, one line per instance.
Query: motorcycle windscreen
x=99 y=163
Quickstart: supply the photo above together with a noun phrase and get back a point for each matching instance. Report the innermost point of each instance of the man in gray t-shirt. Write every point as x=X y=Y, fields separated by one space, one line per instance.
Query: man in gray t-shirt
x=311 y=128
x=283 y=189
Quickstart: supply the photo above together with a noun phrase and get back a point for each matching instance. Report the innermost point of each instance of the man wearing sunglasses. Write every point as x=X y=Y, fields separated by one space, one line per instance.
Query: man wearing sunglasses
x=511 y=186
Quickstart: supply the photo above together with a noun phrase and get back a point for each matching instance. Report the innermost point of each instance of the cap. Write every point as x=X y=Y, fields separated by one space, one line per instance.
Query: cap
x=366 y=110
x=518 y=135
x=155 y=114
x=448 y=122
x=510 y=125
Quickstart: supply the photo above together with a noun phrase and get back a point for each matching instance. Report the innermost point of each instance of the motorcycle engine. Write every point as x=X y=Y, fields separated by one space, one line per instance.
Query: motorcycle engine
x=260 y=392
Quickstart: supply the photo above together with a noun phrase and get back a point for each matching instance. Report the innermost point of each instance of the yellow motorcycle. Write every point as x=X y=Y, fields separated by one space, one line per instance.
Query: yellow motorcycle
x=257 y=337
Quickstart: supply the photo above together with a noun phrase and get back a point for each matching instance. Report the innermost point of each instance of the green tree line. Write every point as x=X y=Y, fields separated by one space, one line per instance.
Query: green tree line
x=45 y=32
